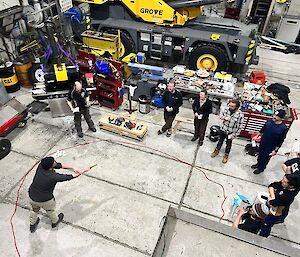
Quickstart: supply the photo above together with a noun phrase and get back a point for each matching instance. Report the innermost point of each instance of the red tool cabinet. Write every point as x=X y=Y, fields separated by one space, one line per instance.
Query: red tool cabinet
x=110 y=88
x=254 y=121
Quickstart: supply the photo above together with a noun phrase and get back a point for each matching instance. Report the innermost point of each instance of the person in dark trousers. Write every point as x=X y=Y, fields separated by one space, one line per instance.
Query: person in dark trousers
x=252 y=219
x=78 y=101
x=282 y=195
x=172 y=100
x=202 y=107
x=42 y=187
x=233 y=120
x=273 y=134
x=291 y=166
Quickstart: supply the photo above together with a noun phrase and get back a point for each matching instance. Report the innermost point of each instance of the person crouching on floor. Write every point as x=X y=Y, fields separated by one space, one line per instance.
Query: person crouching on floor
x=282 y=194
x=251 y=219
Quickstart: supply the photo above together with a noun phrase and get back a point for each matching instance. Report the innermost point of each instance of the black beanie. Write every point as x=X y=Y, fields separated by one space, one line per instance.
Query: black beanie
x=47 y=162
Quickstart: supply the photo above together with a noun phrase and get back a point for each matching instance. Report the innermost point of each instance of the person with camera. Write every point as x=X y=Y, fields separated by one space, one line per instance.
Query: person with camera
x=233 y=120
x=252 y=218
x=281 y=196
x=78 y=101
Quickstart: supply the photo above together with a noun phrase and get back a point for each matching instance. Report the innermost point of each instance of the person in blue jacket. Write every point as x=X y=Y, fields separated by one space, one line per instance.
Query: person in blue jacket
x=273 y=134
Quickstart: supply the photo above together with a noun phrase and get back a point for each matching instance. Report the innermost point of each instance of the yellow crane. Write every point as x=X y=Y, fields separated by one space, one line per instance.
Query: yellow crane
x=175 y=30
x=167 y=13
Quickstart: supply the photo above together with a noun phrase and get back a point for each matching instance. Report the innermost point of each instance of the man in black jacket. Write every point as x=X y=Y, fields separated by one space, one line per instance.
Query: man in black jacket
x=42 y=187
x=78 y=101
x=172 y=100
x=202 y=107
x=282 y=195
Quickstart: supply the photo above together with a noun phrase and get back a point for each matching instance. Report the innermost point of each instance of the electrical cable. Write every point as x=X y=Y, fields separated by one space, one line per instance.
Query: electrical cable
x=16 y=206
x=123 y=143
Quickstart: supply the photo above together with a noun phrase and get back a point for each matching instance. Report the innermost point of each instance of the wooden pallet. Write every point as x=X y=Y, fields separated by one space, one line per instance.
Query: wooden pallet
x=180 y=119
x=138 y=132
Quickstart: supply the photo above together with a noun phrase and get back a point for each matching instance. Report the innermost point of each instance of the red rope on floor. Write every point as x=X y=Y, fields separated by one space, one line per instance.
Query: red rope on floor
x=16 y=206
x=122 y=143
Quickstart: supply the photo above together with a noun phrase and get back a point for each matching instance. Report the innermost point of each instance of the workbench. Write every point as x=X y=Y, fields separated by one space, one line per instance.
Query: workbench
x=223 y=89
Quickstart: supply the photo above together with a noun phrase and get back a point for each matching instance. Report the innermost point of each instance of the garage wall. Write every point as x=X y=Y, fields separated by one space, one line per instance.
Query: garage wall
x=8 y=3
x=294 y=8
x=4 y=4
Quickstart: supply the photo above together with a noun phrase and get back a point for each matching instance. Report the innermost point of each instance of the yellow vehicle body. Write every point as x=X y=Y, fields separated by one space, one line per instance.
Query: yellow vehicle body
x=99 y=43
x=156 y=11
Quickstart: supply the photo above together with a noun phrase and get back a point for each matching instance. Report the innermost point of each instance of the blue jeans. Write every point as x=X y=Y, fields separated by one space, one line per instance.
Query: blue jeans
x=269 y=222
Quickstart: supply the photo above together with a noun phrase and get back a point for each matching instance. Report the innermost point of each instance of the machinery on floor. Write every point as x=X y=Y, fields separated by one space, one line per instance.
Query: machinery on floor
x=123 y=126
x=13 y=114
x=176 y=29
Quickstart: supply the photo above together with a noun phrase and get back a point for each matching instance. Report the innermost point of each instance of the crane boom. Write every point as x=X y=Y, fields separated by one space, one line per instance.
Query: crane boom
x=171 y=13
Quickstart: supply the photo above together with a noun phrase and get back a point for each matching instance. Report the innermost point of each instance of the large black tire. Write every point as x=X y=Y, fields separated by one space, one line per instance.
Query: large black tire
x=203 y=49
x=126 y=40
x=5 y=146
x=36 y=75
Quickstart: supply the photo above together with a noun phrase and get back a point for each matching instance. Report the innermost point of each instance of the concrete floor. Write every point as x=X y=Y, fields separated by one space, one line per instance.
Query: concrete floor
x=116 y=209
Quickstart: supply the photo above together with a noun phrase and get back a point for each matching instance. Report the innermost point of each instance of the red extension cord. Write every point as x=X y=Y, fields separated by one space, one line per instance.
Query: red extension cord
x=122 y=143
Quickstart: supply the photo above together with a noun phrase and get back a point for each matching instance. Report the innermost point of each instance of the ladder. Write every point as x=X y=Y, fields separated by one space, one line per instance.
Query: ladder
x=156 y=46
x=261 y=9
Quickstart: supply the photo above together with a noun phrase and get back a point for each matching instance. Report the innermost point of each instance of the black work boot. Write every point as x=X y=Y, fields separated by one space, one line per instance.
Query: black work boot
x=60 y=218
x=34 y=226
x=194 y=139
x=257 y=171
x=254 y=166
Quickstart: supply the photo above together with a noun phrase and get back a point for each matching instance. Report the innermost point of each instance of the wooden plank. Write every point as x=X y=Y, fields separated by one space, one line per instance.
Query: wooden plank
x=184 y=119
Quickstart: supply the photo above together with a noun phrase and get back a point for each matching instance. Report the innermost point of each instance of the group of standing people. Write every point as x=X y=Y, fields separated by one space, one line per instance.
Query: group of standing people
x=258 y=219
x=232 y=118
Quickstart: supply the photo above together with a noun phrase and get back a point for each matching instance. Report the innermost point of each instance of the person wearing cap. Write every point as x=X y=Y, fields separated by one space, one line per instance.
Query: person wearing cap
x=281 y=196
x=272 y=134
x=172 y=100
x=78 y=101
x=202 y=108
x=253 y=219
x=42 y=187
